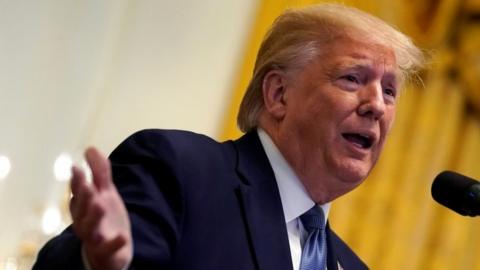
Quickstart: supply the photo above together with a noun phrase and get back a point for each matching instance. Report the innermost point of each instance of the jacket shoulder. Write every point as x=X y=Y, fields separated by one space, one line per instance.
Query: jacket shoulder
x=184 y=153
x=154 y=143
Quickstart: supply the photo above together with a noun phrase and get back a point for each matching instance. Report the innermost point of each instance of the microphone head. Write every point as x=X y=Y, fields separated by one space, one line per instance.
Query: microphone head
x=457 y=192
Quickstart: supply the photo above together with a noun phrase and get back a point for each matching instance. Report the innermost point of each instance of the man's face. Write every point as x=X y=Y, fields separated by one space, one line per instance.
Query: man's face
x=339 y=110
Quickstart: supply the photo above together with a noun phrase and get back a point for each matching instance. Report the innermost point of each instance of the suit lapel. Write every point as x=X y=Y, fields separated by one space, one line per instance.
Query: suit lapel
x=340 y=254
x=332 y=260
x=261 y=205
x=262 y=209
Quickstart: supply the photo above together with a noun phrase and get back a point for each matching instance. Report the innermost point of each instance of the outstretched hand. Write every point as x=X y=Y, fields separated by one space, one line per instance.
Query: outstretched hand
x=100 y=218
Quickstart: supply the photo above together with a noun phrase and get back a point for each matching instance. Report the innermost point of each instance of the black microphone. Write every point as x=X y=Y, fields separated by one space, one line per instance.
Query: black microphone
x=457 y=192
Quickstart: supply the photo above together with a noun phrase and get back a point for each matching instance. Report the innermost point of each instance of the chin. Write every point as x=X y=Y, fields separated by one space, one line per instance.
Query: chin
x=353 y=173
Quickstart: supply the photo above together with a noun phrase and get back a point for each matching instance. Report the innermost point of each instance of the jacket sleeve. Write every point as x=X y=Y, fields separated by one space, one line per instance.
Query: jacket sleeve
x=62 y=252
x=145 y=172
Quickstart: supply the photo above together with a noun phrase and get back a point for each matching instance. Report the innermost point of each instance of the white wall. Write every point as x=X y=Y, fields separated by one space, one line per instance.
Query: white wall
x=75 y=73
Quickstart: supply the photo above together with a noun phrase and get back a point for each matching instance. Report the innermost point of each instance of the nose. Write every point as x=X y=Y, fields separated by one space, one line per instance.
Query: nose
x=372 y=103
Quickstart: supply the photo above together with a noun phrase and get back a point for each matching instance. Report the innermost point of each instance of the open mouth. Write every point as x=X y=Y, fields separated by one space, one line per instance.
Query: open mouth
x=360 y=140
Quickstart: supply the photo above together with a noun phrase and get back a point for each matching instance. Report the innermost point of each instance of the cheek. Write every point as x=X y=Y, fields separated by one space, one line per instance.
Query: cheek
x=390 y=117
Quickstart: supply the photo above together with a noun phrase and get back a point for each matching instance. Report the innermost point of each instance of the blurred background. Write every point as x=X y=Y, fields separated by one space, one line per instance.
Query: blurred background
x=79 y=73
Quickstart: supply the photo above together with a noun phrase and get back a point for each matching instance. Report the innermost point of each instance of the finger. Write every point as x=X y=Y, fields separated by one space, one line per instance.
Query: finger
x=109 y=247
x=100 y=167
x=83 y=198
x=105 y=252
x=73 y=205
x=78 y=178
x=90 y=224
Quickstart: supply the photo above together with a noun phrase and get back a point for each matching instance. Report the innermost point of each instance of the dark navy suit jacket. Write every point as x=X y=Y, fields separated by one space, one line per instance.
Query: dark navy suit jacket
x=195 y=203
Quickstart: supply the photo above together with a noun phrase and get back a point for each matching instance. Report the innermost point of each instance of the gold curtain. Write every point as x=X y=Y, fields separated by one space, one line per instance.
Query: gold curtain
x=391 y=220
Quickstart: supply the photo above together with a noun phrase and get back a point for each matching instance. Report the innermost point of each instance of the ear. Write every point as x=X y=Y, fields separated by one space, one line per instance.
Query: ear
x=274 y=87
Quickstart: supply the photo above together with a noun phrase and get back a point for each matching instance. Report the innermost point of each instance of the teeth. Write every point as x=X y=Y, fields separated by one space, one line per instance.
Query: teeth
x=365 y=137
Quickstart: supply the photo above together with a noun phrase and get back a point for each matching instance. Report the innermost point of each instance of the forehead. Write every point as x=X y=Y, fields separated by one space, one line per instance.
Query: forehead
x=350 y=53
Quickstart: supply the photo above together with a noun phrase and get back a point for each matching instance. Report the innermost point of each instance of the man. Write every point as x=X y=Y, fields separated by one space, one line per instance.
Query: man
x=316 y=114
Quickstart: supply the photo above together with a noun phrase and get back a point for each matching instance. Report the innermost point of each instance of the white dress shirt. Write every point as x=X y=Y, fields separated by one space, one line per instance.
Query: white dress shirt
x=294 y=197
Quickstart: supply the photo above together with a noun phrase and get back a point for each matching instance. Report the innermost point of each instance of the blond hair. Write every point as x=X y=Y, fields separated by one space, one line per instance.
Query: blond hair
x=296 y=37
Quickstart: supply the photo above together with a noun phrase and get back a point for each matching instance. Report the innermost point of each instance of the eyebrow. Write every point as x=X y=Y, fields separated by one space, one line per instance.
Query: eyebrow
x=358 y=55
x=353 y=64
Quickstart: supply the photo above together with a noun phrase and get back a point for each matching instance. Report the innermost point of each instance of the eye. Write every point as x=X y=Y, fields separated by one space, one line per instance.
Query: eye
x=351 y=78
x=390 y=92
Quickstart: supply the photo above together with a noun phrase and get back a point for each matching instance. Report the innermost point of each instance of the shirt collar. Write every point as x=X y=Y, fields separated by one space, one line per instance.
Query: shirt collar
x=294 y=197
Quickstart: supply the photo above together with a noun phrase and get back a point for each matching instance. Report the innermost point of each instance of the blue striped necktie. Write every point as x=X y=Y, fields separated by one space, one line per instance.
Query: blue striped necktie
x=314 y=252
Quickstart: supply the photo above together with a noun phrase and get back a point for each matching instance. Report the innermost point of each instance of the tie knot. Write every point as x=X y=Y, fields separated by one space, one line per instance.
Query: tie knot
x=313 y=219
